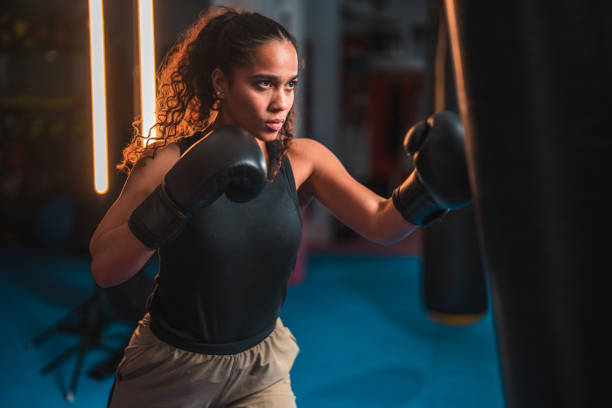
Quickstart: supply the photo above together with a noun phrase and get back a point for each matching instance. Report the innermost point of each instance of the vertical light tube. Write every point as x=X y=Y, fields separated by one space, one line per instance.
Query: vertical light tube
x=98 y=96
x=147 y=66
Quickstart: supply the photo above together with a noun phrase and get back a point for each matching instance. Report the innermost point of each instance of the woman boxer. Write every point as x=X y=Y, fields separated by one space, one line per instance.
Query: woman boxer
x=218 y=196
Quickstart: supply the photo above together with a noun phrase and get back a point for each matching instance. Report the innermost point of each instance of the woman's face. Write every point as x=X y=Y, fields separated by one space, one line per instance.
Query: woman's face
x=260 y=94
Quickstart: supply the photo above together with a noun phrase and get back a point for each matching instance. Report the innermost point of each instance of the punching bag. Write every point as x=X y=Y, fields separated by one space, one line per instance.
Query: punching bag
x=533 y=83
x=454 y=287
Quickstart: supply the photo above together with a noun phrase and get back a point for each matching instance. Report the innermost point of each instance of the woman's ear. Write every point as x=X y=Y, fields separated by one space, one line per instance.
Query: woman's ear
x=219 y=82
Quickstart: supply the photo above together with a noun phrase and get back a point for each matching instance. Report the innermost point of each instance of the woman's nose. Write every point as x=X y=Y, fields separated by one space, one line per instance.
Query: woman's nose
x=281 y=101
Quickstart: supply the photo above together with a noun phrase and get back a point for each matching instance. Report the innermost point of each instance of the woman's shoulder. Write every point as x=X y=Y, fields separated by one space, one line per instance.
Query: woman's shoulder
x=310 y=151
x=154 y=164
x=305 y=155
x=305 y=147
x=158 y=160
x=164 y=153
x=301 y=150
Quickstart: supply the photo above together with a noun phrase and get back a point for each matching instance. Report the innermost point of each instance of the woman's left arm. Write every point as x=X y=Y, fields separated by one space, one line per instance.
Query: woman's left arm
x=367 y=213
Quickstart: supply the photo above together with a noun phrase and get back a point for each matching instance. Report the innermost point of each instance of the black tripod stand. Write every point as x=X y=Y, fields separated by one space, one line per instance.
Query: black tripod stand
x=125 y=302
x=87 y=321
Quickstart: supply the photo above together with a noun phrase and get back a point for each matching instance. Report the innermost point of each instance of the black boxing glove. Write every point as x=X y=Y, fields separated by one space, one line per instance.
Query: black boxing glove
x=228 y=160
x=439 y=182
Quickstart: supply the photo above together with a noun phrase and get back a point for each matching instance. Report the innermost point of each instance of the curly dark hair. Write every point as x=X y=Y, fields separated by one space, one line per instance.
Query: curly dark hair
x=223 y=38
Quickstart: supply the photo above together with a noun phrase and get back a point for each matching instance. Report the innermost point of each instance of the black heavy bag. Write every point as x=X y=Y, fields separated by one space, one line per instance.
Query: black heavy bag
x=533 y=83
x=454 y=287
x=453 y=278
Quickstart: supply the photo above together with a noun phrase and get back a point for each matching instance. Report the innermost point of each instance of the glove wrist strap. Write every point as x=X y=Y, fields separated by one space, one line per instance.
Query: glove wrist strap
x=415 y=202
x=157 y=220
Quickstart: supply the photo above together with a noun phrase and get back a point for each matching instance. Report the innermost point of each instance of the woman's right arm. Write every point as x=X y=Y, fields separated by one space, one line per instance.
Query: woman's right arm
x=116 y=254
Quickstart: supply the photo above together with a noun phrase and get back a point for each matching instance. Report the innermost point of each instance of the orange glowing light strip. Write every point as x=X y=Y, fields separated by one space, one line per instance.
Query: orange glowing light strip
x=98 y=96
x=147 y=66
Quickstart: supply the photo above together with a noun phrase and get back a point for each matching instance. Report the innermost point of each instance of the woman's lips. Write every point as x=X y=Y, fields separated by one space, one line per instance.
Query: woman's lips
x=274 y=125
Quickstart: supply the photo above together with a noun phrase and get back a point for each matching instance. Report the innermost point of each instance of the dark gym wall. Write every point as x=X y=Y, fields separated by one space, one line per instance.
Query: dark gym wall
x=46 y=149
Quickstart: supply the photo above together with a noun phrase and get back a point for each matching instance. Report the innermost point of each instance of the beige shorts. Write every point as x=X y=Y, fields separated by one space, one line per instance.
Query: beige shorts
x=155 y=374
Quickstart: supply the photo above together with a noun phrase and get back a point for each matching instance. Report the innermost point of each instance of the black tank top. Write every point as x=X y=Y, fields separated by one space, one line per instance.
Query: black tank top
x=221 y=284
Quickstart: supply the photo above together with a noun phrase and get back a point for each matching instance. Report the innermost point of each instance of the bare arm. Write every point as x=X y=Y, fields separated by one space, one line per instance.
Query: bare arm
x=116 y=253
x=358 y=207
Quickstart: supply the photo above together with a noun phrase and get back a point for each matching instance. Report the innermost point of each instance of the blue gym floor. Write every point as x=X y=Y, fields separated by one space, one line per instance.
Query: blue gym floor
x=359 y=320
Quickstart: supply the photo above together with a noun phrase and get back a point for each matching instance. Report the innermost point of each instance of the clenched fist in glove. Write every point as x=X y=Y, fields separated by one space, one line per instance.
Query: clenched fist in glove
x=228 y=161
x=439 y=182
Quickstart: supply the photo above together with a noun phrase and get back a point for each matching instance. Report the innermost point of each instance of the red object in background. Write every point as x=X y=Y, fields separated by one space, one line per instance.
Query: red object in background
x=299 y=273
x=394 y=98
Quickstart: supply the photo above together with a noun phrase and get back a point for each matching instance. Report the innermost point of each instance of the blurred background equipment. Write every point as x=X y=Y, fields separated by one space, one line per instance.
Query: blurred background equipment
x=88 y=321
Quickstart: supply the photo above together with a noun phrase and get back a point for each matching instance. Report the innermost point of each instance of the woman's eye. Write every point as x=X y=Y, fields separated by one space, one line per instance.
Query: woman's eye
x=292 y=84
x=265 y=84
